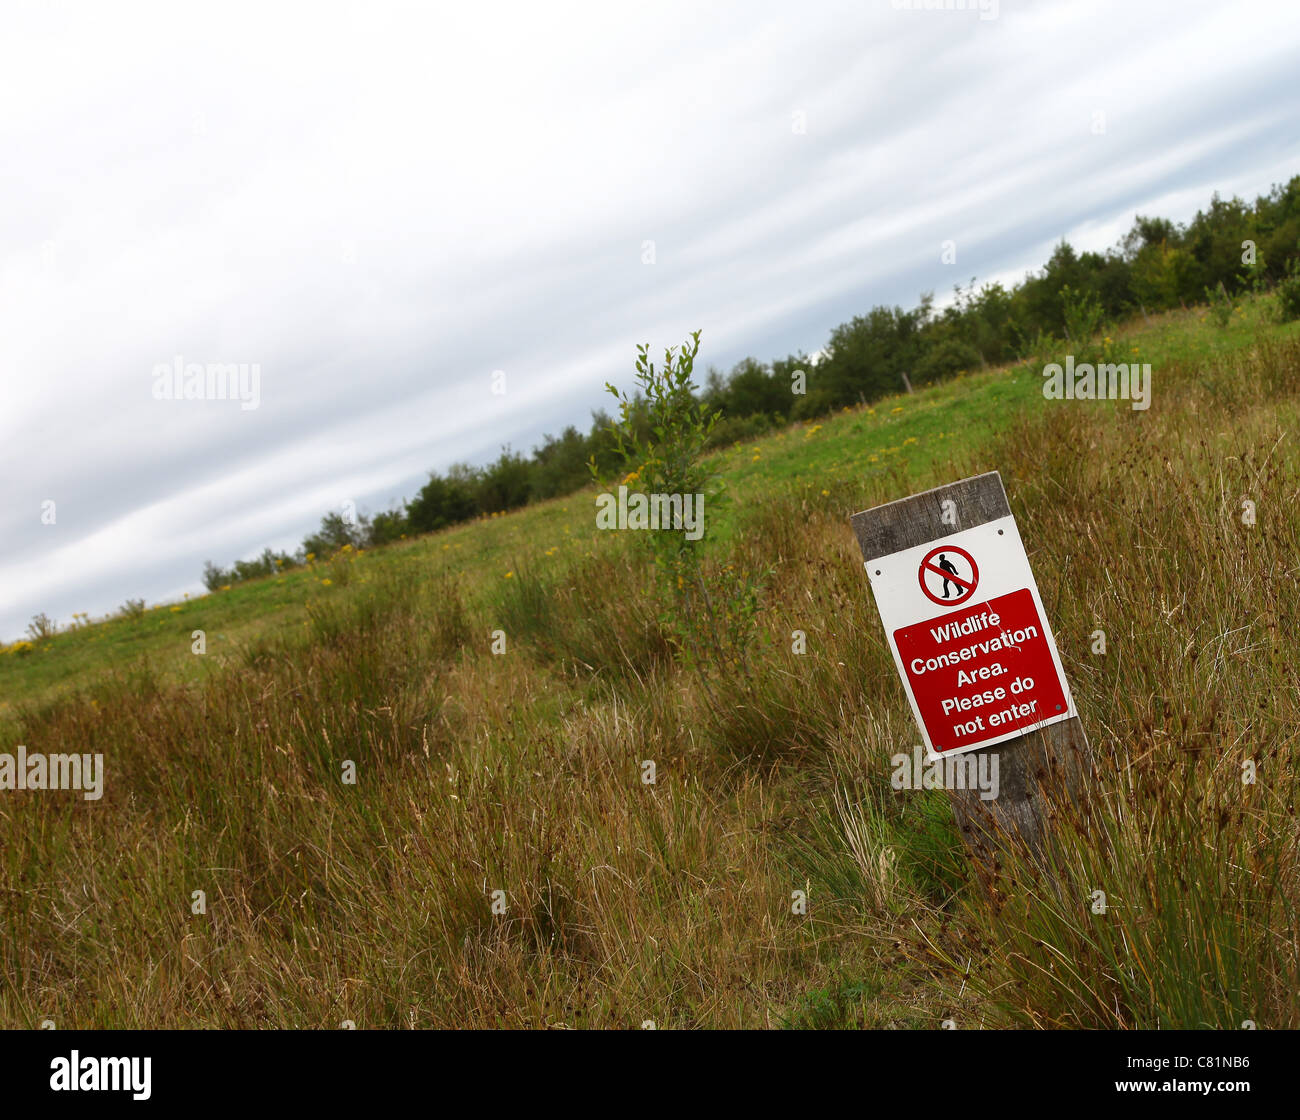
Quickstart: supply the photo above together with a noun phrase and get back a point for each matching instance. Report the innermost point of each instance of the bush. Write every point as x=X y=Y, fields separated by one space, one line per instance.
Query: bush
x=335 y=532
x=506 y=484
x=444 y=500
x=387 y=527
x=1220 y=306
x=817 y=402
x=1288 y=295
x=215 y=577
x=42 y=626
x=663 y=430
x=733 y=429
x=950 y=357
x=1083 y=314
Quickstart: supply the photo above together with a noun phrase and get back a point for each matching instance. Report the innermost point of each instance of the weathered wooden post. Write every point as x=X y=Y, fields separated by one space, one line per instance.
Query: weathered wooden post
x=976 y=656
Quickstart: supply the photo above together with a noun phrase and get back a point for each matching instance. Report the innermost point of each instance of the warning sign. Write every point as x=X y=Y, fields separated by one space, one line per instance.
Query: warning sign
x=938 y=567
x=970 y=638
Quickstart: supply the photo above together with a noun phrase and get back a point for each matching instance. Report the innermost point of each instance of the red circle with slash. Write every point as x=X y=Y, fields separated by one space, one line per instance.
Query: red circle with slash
x=965 y=584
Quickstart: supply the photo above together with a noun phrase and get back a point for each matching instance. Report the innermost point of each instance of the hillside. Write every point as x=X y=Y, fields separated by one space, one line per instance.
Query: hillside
x=626 y=902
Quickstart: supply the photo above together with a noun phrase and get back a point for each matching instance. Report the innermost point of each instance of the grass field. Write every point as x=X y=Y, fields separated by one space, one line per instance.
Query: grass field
x=623 y=902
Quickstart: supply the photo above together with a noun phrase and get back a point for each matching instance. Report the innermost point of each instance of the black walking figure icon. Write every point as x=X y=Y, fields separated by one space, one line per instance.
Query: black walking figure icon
x=946 y=565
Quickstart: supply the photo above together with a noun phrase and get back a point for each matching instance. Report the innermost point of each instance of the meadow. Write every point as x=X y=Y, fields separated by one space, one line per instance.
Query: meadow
x=499 y=860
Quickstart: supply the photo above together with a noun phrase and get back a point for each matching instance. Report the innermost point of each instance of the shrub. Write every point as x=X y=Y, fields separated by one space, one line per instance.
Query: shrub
x=135 y=608
x=444 y=500
x=1083 y=314
x=214 y=577
x=1220 y=306
x=663 y=430
x=42 y=626
x=733 y=429
x=945 y=360
x=387 y=527
x=335 y=532
x=1288 y=294
x=816 y=402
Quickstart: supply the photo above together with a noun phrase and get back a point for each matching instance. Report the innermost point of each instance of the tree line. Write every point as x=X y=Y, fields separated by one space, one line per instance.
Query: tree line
x=1230 y=248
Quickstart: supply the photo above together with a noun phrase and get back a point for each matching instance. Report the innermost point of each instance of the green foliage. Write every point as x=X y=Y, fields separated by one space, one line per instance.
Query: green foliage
x=1044 y=347
x=132 y=609
x=845 y=1006
x=505 y=484
x=662 y=431
x=386 y=527
x=866 y=358
x=336 y=532
x=1288 y=294
x=444 y=500
x=268 y=564
x=734 y=429
x=1083 y=315
x=664 y=428
x=1220 y=306
x=817 y=401
x=949 y=358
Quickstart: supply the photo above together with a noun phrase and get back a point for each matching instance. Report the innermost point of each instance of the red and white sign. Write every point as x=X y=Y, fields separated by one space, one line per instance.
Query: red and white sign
x=970 y=638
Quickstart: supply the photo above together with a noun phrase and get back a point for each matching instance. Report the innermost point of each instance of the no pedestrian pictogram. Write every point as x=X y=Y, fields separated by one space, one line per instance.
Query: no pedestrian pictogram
x=948 y=575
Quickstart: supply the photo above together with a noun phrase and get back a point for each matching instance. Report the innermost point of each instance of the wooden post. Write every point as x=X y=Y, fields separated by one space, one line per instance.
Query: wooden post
x=906 y=383
x=1037 y=770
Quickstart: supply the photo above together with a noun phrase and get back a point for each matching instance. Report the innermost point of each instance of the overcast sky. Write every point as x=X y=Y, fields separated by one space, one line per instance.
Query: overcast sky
x=381 y=204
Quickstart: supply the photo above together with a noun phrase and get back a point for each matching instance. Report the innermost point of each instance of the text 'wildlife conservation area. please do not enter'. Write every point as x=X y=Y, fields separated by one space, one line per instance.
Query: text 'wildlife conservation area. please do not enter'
x=969 y=635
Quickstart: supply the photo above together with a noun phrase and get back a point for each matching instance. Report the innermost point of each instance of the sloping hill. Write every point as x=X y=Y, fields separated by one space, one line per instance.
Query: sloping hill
x=500 y=858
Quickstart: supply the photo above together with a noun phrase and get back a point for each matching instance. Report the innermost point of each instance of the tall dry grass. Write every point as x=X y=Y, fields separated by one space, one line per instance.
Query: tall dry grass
x=675 y=902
